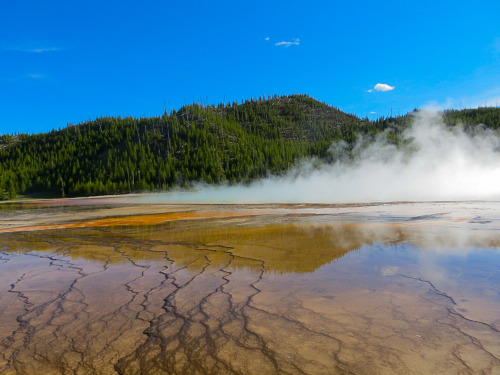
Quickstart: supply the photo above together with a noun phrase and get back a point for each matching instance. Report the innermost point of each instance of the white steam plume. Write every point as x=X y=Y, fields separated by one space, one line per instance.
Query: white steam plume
x=444 y=165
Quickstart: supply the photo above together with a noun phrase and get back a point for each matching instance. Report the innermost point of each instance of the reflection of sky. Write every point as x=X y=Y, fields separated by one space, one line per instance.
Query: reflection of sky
x=308 y=257
x=474 y=270
x=454 y=246
x=470 y=276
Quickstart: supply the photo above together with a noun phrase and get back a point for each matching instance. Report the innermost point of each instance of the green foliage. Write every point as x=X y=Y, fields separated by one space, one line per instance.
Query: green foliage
x=489 y=117
x=231 y=143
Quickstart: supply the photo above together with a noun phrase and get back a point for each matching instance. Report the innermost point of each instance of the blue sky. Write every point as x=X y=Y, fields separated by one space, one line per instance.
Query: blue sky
x=69 y=61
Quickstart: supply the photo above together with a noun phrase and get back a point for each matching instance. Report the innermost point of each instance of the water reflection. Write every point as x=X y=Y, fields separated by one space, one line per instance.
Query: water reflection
x=253 y=294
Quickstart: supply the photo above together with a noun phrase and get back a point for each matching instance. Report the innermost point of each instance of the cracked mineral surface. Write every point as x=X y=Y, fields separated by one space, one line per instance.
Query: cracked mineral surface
x=95 y=287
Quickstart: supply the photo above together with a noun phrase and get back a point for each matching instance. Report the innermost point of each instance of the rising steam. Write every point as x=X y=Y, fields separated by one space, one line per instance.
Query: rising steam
x=440 y=164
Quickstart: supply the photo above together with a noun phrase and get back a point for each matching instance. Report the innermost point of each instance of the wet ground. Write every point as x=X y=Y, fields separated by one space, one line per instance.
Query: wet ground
x=100 y=287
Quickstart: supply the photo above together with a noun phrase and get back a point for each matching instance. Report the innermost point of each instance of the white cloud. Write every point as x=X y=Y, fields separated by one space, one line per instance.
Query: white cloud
x=369 y=90
x=383 y=87
x=266 y=38
x=295 y=42
x=372 y=112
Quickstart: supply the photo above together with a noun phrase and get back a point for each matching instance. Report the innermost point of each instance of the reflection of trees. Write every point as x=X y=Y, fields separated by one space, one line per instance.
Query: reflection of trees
x=283 y=246
x=194 y=297
x=298 y=247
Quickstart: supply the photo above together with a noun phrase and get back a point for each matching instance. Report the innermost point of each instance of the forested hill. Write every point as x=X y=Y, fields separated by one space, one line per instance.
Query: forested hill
x=226 y=143
x=232 y=142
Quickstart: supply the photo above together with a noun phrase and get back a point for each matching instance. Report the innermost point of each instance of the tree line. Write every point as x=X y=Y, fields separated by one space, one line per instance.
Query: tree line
x=230 y=143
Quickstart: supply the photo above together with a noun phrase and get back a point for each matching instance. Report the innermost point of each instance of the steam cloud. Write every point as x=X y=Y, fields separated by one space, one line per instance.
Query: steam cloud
x=440 y=165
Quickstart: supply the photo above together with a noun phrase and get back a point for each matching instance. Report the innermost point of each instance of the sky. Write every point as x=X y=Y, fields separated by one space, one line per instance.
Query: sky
x=64 y=62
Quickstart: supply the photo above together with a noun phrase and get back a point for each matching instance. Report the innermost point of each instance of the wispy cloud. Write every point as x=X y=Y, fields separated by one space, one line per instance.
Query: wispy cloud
x=486 y=99
x=382 y=87
x=35 y=76
x=494 y=102
x=294 y=42
x=41 y=50
x=34 y=50
x=266 y=38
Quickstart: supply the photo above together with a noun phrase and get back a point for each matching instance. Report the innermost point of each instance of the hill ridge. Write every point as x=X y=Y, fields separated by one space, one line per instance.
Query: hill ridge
x=230 y=142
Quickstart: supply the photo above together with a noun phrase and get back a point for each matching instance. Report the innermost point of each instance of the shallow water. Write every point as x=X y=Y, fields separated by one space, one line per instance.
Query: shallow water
x=388 y=289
